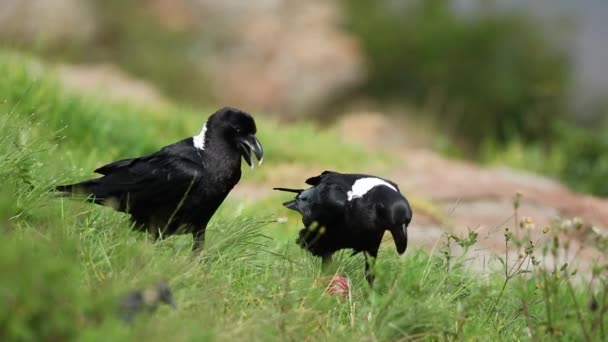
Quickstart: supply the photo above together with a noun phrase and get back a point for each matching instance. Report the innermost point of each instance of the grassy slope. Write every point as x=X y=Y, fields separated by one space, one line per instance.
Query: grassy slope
x=63 y=262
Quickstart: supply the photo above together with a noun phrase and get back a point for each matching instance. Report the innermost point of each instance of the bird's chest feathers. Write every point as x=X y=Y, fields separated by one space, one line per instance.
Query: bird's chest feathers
x=222 y=172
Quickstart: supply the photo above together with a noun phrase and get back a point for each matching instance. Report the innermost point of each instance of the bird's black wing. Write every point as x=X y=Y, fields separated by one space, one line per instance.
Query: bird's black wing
x=333 y=196
x=326 y=204
x=154 y=179
x=393 y=184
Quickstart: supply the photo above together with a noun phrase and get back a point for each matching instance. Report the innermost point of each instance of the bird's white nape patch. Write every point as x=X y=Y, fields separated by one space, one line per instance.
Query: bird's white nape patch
x=363 y=185
x=199 y=140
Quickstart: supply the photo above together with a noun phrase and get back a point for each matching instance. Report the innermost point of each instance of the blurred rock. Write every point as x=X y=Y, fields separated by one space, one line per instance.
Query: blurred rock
x=175 y=15
x=46 y=21
x=282 y=56
x=109 y=81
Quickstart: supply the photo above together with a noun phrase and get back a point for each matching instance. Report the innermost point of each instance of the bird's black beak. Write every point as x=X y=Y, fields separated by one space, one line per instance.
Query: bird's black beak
x=399 y=233
x=249 y=144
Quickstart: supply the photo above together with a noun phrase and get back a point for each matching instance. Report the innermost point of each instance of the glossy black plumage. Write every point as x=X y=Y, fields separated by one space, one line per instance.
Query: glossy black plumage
x=178 y=188
x=339 y=215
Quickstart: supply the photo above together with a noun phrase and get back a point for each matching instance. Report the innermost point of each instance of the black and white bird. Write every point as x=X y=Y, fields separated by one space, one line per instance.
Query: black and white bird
x=177 y=189
x=350 y=211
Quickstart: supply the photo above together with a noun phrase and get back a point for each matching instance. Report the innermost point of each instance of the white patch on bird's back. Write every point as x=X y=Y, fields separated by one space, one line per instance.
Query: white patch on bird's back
x=199 y=140
x=363 y=185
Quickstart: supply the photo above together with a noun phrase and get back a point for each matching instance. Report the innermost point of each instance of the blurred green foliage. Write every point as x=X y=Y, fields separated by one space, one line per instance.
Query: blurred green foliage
x=586 y=167
x=490 y=74
x=43 y=302
x=577 y=156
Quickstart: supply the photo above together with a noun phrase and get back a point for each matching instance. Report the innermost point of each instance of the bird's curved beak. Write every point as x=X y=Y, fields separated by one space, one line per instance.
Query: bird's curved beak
x=250 y=145
x=399 y=234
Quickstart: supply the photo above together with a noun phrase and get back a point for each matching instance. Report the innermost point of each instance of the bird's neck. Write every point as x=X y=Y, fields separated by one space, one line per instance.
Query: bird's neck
x=219 y=151
x=216 y=149
x=200 y=140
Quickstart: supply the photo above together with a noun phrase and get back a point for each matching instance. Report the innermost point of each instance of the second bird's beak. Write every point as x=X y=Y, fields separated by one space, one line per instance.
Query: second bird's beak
x=249 y=144
x=399 y=234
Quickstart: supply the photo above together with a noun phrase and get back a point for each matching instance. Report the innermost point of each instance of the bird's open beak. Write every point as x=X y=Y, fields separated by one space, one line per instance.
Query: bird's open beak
x=249 y=144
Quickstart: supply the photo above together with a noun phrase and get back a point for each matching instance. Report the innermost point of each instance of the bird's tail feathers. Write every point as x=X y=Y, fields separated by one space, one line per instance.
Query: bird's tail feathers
x=297 y=191
x=76 y=189
x=290 y=204
x=64 y=189
x=83 y=189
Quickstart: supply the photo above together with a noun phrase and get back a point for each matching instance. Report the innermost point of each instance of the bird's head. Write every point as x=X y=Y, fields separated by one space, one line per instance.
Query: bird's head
x=238 y=129
x=395 y=216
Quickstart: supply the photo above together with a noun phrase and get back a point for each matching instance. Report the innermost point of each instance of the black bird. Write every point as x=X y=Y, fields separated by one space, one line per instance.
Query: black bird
x=350 y=211
x=177 y=189
x=145 y=300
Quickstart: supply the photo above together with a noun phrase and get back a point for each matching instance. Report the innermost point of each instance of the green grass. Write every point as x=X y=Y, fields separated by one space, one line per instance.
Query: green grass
x=63 y=263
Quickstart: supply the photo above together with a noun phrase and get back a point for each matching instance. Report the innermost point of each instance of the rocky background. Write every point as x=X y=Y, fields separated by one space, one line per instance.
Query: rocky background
x=284 y=56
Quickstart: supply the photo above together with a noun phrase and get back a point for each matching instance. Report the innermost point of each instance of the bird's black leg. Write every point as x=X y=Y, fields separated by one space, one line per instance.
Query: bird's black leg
x=199 y=241
x=370 y=263
x=325 y=262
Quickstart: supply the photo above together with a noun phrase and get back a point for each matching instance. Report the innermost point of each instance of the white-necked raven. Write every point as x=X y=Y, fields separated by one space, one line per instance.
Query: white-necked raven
x=177 y=189
x=350 y=211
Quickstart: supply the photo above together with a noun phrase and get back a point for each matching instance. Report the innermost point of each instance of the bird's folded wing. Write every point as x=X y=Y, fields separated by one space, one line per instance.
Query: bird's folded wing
x=333 y=197
x=155 y=176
